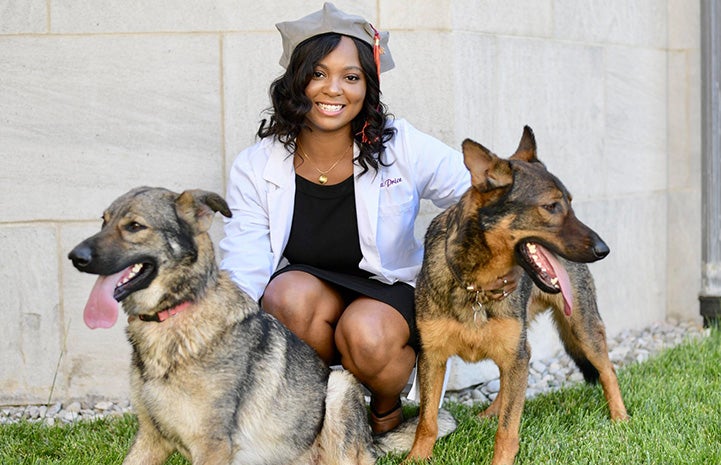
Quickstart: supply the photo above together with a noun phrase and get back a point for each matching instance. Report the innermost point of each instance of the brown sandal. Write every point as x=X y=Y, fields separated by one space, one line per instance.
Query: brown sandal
x=384 y=422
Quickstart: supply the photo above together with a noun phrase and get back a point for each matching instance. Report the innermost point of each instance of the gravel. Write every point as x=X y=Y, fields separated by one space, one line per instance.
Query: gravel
x=627 y=347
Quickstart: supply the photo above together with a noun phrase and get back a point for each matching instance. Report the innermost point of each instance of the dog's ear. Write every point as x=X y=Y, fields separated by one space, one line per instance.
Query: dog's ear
x=526 y=150
x=488 y=171
x=197 y=207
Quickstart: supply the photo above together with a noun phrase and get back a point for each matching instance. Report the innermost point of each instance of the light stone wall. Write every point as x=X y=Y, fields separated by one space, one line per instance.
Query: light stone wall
x=99 y=97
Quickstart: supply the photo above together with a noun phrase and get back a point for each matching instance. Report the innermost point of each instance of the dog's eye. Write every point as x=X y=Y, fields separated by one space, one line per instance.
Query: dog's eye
x=134 y=226
x=552 y=207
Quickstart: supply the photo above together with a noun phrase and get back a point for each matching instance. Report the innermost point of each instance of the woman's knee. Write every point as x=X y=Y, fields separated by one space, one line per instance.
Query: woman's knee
x=373 y=336
x=300 y=300
x=282 y=300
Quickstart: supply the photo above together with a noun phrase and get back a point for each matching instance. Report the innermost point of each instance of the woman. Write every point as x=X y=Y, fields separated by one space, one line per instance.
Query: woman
x=324 y=205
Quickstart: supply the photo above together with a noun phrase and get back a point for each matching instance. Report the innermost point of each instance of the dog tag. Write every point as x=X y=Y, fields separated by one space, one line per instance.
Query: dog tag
x=478 y=311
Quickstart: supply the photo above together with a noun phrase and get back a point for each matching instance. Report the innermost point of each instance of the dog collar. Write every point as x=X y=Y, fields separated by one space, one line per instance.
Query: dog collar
x=482 y=295
x=479 y=295
x=165 y=314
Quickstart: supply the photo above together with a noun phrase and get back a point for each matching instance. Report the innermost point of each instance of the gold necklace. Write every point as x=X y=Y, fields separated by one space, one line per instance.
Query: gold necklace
x=322 y=179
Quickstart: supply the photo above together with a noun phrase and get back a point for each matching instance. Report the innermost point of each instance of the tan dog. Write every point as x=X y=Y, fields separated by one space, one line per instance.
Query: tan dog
x=213 y=376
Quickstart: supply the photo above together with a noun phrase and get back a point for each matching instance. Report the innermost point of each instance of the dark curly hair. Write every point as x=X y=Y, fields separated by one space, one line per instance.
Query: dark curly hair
x=290 y=104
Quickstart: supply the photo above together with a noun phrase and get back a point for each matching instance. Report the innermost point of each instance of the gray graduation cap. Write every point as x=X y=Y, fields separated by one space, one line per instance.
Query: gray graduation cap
x=331 y=19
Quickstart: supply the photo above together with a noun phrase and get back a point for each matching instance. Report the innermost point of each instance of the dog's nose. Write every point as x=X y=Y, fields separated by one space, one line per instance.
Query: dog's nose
x=81 y=256
x=600 y=249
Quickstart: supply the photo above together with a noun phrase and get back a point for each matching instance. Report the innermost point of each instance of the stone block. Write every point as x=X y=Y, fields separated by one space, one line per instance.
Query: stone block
x=459 y=106
x=30 y=342
x=246 y=94
x=529 y=18
x=684 y=25
x=684 y=253
x=631 y=280
x=25 y=17
x=88 y=16
x=543 y=338
x=87 y=118
x=679 y=138
x=638 y=23
x=558 y=90
x=693 y=79
x=488 y=17
x=635 y=121
x=463 y=374
x=414 y=16
x=475 y=83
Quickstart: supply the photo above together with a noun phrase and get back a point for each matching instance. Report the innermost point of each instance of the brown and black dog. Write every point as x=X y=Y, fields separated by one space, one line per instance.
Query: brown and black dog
x=515 y=213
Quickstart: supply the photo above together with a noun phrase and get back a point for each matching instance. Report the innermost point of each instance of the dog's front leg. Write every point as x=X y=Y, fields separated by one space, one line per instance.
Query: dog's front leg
x=431 y=372
x=213 y=453
x=149 y=447
x=512 y=396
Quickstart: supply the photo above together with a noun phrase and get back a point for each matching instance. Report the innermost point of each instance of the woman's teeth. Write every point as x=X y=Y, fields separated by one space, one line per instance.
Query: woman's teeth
x=330 y=108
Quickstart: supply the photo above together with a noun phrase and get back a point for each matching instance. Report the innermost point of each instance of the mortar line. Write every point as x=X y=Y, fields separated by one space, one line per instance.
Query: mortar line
x=221 y=70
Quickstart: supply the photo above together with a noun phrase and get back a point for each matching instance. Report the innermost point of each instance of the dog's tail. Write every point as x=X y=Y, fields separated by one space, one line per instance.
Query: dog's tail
x=589 y=372
x=400 y=439
x=342 y=441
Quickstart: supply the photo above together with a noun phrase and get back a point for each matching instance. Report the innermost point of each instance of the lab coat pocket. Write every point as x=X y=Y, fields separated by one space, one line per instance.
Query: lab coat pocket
x=396 y=241
x=396 y=209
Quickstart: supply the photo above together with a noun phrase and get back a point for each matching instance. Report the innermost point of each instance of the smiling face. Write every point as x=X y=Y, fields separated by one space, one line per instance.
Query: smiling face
x=337 y=89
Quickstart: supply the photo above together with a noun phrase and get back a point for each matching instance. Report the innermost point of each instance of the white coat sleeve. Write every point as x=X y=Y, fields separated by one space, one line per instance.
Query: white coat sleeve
x=441 y=176
x=246 y=249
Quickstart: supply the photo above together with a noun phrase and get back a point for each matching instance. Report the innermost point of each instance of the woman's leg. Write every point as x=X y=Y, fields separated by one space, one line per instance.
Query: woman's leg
x=372 y=339
x=309 y=307
x=370 y=336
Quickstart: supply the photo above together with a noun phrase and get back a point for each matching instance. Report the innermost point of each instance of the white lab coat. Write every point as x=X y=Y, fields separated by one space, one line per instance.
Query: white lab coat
x=261 y=195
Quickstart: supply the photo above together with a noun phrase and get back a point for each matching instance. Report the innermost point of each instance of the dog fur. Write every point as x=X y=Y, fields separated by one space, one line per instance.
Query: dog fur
x=213 y=376
x=516 y=212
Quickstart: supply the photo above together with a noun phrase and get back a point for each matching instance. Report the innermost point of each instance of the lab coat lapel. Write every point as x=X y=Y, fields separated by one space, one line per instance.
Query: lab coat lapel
x=280 y=175
x=367 y=195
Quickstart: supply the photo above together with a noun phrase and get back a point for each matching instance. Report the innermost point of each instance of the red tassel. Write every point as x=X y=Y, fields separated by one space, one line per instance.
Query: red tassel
x=377 y=58
x=364 y=137
x=377 y=52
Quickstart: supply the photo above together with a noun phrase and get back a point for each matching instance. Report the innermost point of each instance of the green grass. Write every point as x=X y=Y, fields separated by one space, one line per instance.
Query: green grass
x=674 y=401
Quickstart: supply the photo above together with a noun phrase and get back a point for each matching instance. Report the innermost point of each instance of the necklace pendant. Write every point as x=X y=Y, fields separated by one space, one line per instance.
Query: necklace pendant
x=322 y=179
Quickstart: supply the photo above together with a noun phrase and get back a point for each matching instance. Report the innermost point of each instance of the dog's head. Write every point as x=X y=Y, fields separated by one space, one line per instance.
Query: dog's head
x=535 y=208
x=146 y=233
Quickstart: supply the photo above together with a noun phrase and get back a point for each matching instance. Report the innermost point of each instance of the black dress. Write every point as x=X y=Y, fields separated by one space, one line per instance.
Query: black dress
x=324 y=242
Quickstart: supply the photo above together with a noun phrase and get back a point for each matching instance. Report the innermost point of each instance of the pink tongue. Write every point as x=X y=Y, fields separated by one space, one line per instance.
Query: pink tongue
x=101 y=311
x=563 y=280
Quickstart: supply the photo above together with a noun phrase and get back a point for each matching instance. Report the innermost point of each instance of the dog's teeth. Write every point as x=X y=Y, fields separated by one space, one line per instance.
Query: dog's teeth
x=131 y=274
x=532 y=248
x=134 y=270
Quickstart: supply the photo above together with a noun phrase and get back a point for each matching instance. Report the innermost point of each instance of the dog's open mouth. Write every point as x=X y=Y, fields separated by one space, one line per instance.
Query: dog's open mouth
x=133 y=279
x=546 y=271
x=101 y=310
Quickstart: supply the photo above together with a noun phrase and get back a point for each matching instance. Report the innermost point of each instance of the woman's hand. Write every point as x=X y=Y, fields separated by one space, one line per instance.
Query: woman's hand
x=504 y=285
